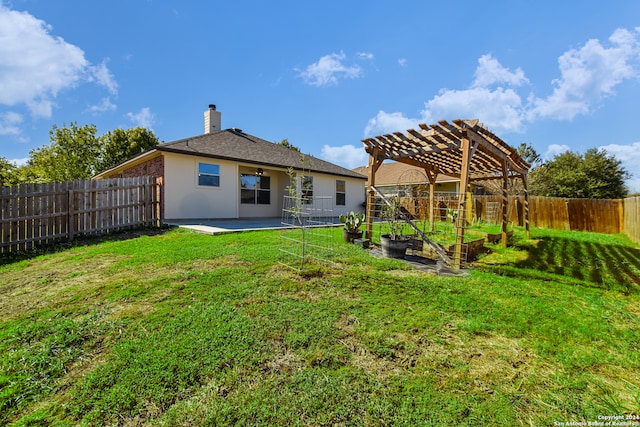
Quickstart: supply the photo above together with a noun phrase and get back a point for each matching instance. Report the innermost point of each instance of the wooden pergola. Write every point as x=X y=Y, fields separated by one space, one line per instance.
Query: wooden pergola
x=464 y=149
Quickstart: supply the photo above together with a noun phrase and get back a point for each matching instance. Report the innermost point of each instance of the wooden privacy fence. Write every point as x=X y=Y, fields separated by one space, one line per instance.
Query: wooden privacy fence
x=38 y=214
x=632 y=218
x=597 y=215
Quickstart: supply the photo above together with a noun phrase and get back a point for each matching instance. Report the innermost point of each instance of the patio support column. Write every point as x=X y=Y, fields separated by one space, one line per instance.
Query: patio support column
x=374 y=164
x=527 y=218
x=432 y=175
x=464 y=183
x=505 y=200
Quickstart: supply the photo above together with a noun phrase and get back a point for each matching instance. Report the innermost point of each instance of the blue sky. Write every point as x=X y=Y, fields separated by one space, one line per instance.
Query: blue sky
x=555 y=74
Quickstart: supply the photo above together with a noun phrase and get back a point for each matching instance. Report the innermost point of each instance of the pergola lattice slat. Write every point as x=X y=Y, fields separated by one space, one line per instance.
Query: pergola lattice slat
x=463 y=148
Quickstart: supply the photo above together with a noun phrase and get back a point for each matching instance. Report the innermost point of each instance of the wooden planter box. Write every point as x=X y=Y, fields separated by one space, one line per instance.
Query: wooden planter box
x=474 y=248
x=496 y=237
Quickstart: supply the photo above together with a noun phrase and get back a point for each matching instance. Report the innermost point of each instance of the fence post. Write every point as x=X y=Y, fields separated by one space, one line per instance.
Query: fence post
x=70 y=215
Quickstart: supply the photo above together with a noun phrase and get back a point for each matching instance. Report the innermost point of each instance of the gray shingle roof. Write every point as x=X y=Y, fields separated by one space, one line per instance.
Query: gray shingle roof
x=233 y=144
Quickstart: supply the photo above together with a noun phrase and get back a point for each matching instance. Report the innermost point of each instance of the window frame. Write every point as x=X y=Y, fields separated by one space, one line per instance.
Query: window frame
x=200 y=174
x=341 y=196
x=257 y=189
x=306 y=189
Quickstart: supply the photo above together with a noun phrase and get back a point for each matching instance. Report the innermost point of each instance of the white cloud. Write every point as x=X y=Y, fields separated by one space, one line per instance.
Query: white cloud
x=499 y=109
x=328 y=70
x=588 y=75
x=9 y=122
x=35 y=65
x=490 y=72
x=365 y=55
x=629 y=156
x=105 y=104
x=495 y=96
x=348 y=156
x=20 y=162
x=553 y=150
x=385 y=122
x=402 y=62
x=102 y=75
x=143 y=118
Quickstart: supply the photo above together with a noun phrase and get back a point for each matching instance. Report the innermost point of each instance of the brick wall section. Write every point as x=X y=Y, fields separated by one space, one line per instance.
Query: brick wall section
x=153 y=167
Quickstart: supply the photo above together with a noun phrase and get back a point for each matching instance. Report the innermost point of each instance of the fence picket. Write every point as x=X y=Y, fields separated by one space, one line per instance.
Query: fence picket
x=5 y=214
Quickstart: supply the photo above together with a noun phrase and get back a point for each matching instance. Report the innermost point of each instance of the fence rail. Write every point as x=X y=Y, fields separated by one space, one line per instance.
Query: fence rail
x=32 y=215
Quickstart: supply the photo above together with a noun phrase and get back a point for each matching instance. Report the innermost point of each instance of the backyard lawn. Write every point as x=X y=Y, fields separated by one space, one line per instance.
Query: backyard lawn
x=179 y=328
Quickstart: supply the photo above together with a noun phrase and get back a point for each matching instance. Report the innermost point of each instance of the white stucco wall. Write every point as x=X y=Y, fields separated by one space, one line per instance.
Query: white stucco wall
x=185 y=199
x=325 y=186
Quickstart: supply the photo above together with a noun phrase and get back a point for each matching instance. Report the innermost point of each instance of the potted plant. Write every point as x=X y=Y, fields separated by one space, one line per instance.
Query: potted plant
x=352 y=222
x=394 y=244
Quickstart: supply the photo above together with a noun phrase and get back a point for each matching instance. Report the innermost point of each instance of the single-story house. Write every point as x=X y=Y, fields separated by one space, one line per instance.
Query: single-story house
x=232 y=174
x=393 y=174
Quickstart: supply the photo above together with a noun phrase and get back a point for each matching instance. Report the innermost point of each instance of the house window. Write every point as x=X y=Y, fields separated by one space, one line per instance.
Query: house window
x=306 y=184
x=255 y=190
x=208 y=175
x=341 y=190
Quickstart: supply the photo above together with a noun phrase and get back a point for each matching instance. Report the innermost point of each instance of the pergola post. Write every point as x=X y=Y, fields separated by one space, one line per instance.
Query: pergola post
x=526 y=204
x=374 y=164
x=464 y=183
x=505 y=200
x=432 y=176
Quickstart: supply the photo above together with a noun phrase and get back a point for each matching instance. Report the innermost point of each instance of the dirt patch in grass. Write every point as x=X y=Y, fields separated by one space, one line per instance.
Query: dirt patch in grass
x=496 y=361
x=285 y=362
x=489 y=362
x=26 y=290
x=66 y=282
x=360 y=356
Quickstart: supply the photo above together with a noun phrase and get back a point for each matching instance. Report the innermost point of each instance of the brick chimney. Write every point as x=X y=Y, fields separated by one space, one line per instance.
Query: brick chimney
x=212 y=119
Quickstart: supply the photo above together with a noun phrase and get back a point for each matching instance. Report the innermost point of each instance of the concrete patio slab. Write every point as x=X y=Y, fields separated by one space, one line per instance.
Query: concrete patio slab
x=219 y=226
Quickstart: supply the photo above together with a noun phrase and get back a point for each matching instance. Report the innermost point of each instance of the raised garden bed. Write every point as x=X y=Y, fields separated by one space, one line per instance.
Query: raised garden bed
x=473 y=249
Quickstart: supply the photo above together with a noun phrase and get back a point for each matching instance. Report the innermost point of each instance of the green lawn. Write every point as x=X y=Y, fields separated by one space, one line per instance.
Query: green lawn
x=179 y=328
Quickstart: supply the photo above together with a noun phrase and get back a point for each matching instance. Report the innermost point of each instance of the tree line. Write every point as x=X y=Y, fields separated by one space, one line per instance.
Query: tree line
x=77 y=152
x=592 y=175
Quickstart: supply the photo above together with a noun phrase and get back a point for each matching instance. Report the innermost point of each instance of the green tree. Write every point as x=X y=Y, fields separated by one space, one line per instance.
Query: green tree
x=25 y=174
x=120 y=145
x=528 y=154
x=76 y=152
x=594 y=175
x=6 y=172
x=73 y=154
x=285 y=143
